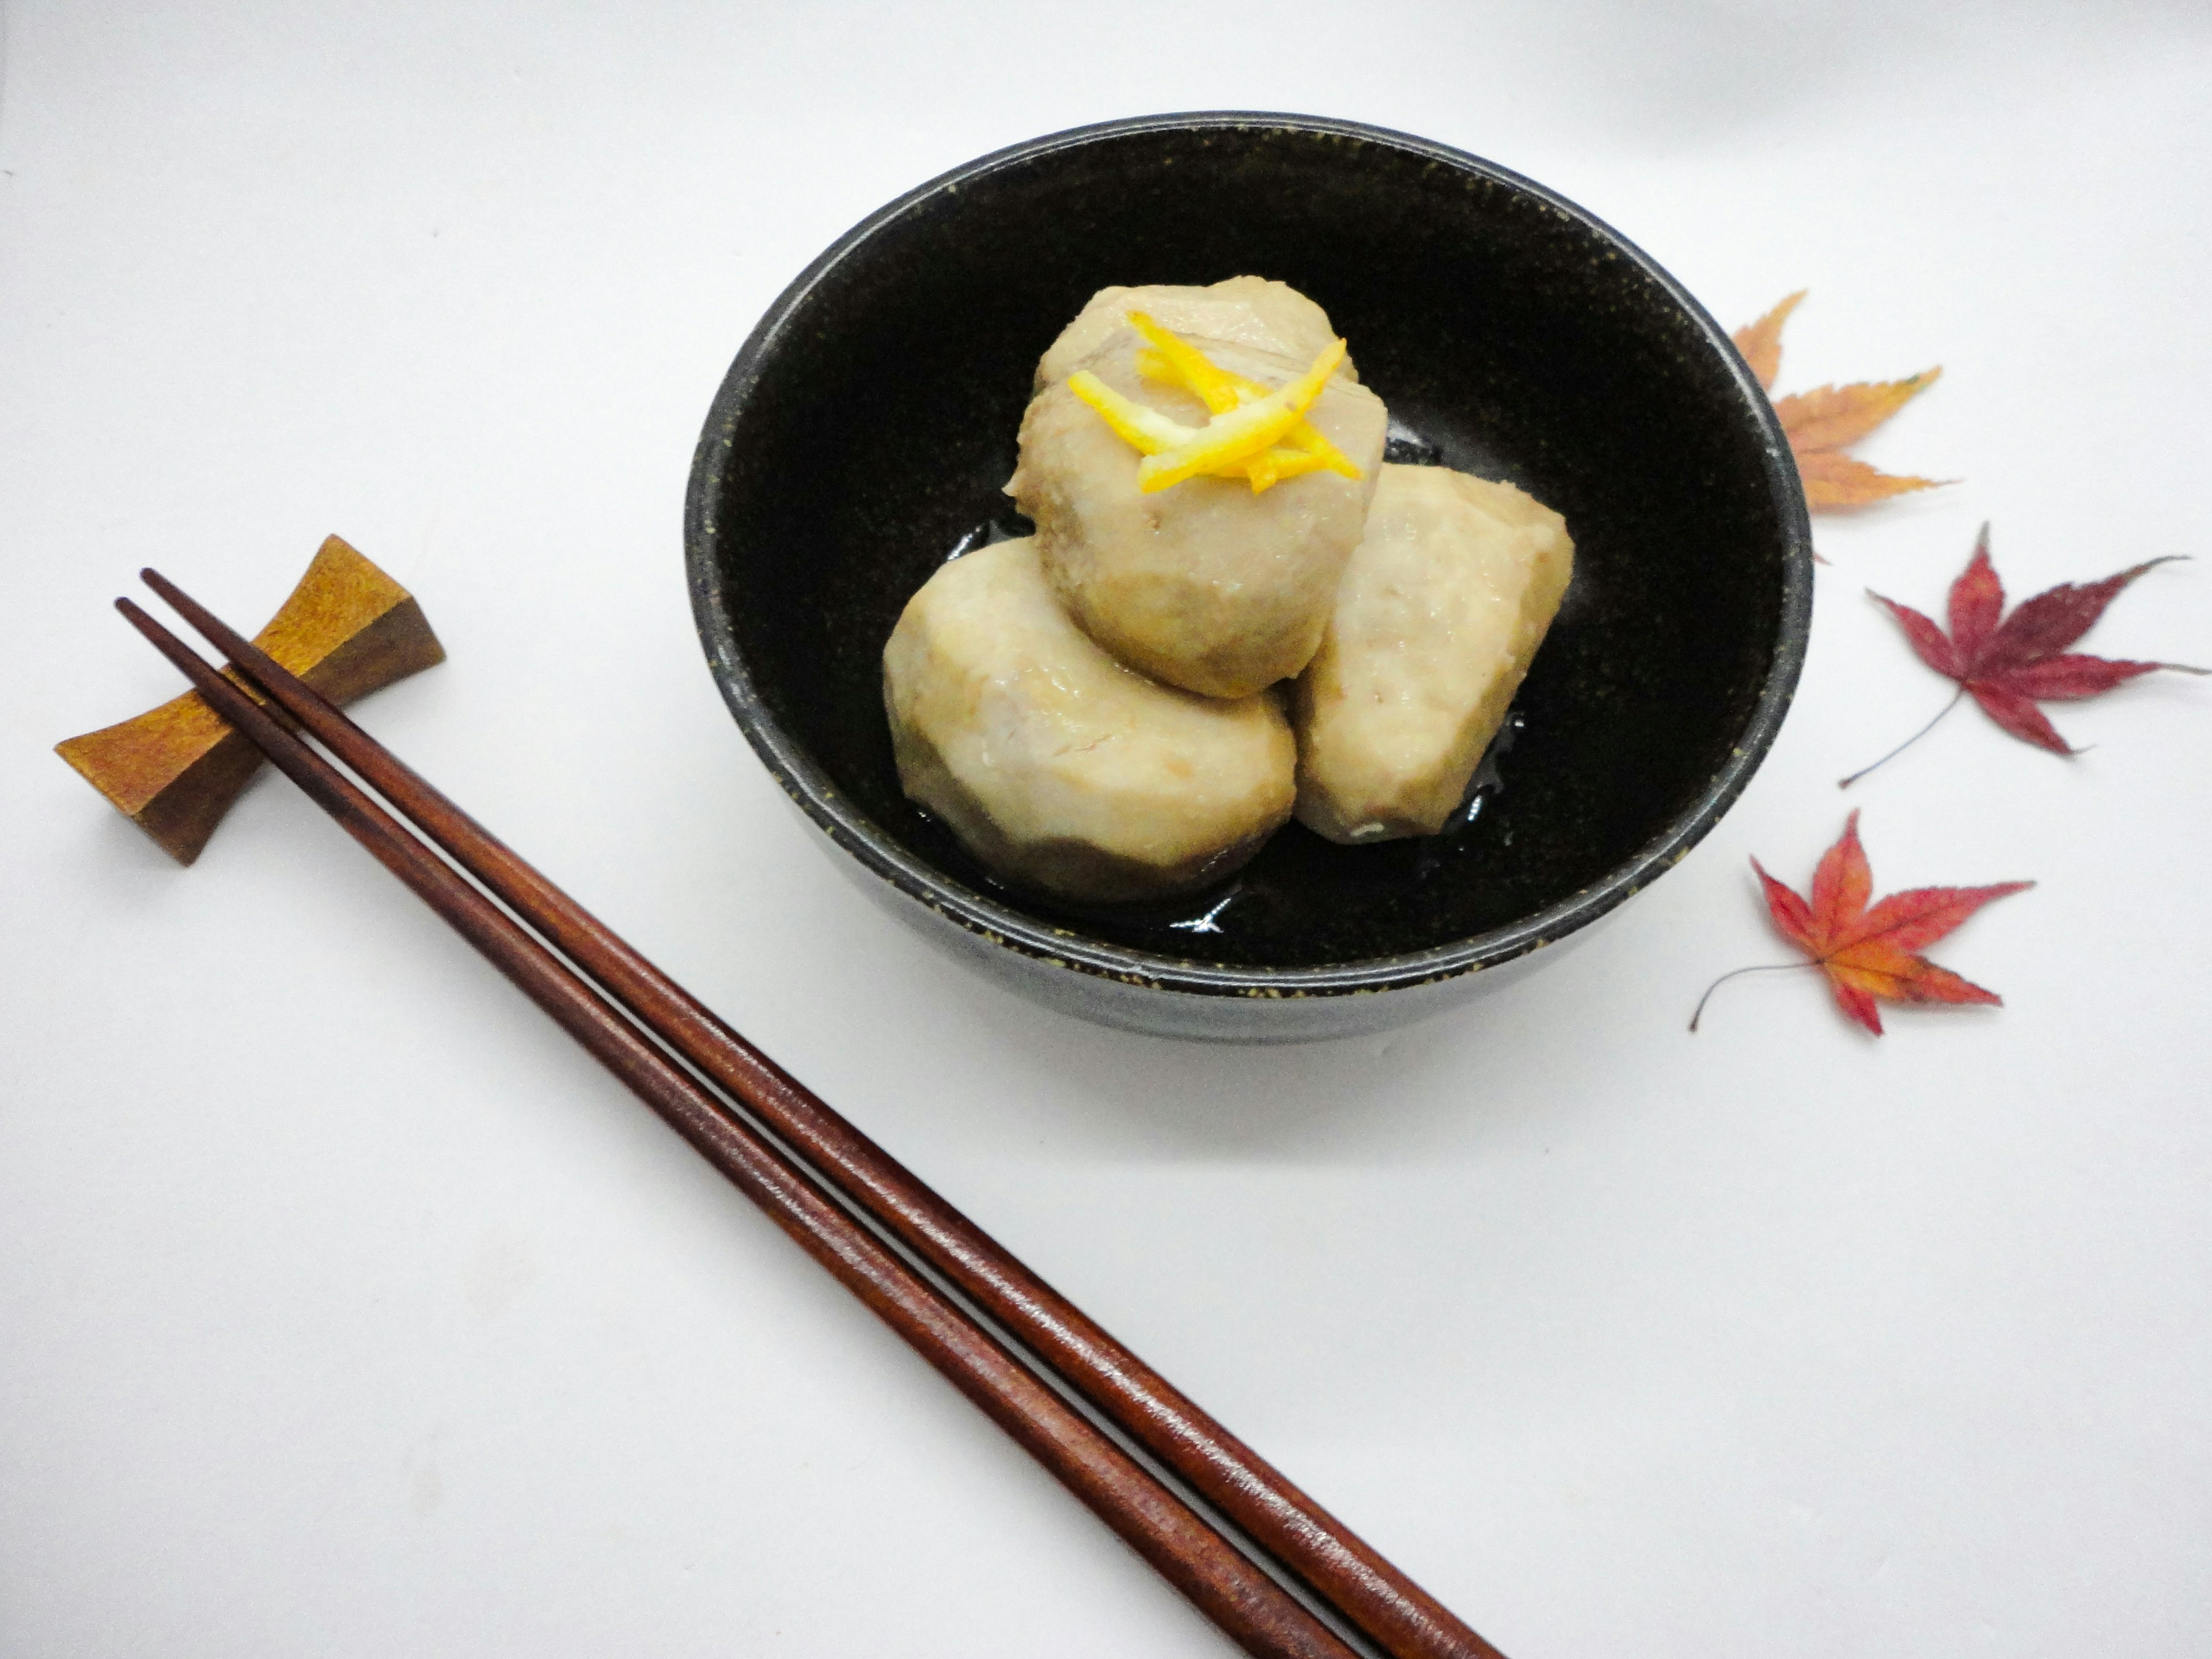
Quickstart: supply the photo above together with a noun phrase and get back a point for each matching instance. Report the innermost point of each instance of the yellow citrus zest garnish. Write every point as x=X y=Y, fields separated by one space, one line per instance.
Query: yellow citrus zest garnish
x=1146 y=430
x=1270 y=443
x=1247 y=431
x=1178 y=362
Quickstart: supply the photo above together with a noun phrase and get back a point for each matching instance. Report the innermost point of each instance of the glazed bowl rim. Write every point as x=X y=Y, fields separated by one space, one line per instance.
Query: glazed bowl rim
x=997 y=922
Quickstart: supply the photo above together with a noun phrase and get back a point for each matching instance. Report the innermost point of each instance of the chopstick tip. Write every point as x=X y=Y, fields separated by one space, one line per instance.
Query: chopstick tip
x=136 y=616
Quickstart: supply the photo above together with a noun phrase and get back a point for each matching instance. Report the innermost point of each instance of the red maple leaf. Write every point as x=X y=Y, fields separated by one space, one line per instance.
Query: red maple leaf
x=2009 y=666
x=1869 y=954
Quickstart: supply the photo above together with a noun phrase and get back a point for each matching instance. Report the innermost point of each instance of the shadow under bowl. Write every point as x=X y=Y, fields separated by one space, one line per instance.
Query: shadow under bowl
x=863 y=432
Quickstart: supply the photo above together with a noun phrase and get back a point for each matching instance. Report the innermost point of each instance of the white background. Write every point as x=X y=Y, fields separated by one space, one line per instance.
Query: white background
x=345 y=1309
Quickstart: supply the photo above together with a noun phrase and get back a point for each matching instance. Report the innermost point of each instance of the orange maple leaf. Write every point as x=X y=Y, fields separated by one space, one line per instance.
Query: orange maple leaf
x=1870 y=953
x=1823 y=422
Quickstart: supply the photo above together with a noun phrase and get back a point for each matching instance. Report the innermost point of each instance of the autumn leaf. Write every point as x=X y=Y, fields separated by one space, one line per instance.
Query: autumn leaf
x=1871 y=954
x=1822 y=423
x=2009 y=665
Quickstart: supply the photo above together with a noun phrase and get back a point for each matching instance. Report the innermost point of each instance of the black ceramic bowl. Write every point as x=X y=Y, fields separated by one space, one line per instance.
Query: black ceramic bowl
x=863 y=432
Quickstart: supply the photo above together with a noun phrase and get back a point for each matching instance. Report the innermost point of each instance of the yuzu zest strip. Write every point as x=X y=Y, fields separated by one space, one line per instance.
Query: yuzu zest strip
x=1175 y=361
x=1243 y=432
x=1233 y=444
x=1146 y=430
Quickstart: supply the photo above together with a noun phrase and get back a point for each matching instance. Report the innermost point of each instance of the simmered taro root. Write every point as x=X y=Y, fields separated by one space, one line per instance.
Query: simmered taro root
x=1246 y=311
x=1057 y=767
x=1443 y=605
x=1214 y=585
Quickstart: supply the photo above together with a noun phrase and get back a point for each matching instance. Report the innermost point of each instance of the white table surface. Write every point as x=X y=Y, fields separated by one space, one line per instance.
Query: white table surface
x=346 y=1308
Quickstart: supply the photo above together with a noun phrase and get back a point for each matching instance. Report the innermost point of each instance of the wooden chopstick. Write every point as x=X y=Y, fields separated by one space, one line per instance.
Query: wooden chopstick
x=1224 y=1583
x=1327 y=1556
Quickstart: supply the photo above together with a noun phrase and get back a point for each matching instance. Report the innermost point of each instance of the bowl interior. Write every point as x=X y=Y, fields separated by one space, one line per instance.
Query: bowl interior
x=864 y=433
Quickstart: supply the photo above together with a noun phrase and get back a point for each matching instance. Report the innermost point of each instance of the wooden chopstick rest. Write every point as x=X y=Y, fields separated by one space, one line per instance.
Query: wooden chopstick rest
x=348 y=630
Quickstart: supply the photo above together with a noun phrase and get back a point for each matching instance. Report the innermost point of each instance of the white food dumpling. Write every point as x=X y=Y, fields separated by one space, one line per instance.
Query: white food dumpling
x=1443 y=605
x=1059 y=767
x=1246 y=311
x=1207 y=584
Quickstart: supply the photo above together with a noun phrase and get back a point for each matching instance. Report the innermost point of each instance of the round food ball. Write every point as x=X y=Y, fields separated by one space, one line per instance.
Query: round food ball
x=1057 y=767
x=1205 y=584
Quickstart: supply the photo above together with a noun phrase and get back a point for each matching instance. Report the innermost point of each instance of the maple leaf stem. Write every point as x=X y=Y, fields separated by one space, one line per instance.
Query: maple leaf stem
x=1737 y=972
x=1845 y=783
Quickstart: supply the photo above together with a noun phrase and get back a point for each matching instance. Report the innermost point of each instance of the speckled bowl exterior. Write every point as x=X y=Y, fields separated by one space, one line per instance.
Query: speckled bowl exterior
x=863 y=432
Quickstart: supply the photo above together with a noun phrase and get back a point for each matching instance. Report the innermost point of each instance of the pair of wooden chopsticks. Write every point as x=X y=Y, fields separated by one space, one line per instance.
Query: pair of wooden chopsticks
x=825 y=1176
